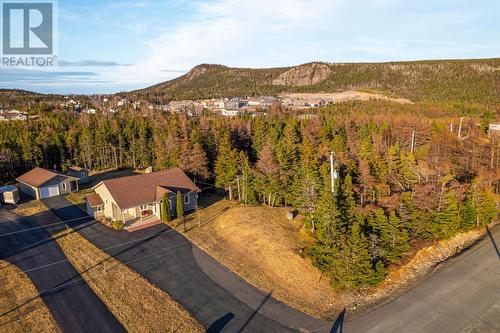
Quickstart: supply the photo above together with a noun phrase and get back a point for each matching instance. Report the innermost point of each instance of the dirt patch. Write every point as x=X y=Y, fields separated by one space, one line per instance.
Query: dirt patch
x=134 y=301
x=261 y=245
x=22 y=310
x=347 y=96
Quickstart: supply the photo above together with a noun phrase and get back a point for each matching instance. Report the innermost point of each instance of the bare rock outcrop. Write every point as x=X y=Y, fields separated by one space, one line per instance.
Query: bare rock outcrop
x=304 y=75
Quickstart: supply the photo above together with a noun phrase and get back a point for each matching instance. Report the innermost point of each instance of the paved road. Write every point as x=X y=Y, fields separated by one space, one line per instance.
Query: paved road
x=461 y=296
x=218 y=298
x=74 y=305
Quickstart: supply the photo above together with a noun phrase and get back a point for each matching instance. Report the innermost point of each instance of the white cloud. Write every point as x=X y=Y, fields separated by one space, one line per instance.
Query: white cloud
x=231 y=32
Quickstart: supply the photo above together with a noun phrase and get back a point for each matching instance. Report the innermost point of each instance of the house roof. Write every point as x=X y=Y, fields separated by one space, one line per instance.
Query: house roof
x=95 y=200
x=77 y=168
x=39 y=176
x=133 y=191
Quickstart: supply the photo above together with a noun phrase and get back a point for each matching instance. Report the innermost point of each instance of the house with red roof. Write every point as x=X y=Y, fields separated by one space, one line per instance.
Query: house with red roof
x=140 y=197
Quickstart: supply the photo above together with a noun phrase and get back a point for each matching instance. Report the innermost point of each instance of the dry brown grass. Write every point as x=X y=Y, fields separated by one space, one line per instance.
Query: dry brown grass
x=21 y=308
x=134 y=301
x=261 y=245
x=79 y=197
x=30 y=208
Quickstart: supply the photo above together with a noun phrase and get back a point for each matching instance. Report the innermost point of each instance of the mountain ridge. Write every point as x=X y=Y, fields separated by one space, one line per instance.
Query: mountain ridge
x=467 y=80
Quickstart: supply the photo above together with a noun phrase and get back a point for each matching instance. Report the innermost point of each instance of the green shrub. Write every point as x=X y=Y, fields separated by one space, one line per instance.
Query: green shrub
x=117 y=225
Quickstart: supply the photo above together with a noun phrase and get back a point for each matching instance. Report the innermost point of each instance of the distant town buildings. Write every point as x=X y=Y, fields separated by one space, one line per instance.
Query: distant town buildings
x=13 y=115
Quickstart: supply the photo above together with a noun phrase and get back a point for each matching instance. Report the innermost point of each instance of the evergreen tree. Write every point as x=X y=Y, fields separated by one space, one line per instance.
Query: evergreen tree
x=307 y=181
x=179 y=205
x=226 y=166
x=447 y=219
x=165 y=209
x=468 y=215
x=346 y=201
x=355 y=266
x=327 y=221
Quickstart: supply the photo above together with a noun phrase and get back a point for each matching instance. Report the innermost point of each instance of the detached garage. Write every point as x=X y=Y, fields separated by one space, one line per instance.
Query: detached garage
x=41 y=183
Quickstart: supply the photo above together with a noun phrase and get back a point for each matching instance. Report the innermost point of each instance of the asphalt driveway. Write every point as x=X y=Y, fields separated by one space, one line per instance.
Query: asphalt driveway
x=218 y=298
x=74 y=305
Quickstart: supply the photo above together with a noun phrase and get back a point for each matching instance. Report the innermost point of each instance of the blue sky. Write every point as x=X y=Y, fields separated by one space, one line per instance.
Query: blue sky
x=110 y=46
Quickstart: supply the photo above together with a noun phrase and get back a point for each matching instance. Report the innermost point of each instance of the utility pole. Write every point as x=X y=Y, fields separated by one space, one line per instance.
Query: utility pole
x=413 y=141
x=333 y=174
x=460 y=128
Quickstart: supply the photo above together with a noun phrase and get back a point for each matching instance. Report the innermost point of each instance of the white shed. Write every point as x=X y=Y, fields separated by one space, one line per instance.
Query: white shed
x=9 y=194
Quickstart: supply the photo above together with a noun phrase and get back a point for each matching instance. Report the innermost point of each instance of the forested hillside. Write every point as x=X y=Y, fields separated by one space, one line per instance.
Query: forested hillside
x=446 y=80
x=388 y=200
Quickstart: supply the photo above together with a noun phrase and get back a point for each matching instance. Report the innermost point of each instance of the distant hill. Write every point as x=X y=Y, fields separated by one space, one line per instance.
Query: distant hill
x=440 y=80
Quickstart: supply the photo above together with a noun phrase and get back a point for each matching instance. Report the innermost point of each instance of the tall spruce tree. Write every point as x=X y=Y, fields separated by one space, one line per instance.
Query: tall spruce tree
x=179 y=207
x=355 y=265
x=226 y=165
x=165 y=209
x=446 y=220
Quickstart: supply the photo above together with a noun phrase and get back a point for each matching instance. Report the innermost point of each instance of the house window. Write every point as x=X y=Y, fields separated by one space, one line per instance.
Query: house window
x=82 y=175
x=98 y=209
x=63 y=186
x=186 y=199
x=144 y=207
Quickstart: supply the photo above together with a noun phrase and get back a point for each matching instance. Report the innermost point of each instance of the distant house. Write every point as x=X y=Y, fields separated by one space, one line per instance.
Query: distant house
x=81 y=173
x=494 y=130
x=235 y=103
x=91 y=111
x=230 y=112
x=42 y=183
x=140 y=197
x=13 y=115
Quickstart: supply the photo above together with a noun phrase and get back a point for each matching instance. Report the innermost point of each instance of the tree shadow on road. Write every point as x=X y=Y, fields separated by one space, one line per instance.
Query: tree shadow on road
x=218 y=325
x=338 y=325
x=493 y=241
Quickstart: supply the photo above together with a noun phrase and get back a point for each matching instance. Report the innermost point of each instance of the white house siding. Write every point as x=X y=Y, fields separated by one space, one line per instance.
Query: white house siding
x=108 y=200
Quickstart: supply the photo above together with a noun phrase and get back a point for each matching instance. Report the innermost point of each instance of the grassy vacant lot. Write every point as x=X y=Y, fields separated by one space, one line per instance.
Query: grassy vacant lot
x=136 y=303
x=22 y=310
x=261 y=245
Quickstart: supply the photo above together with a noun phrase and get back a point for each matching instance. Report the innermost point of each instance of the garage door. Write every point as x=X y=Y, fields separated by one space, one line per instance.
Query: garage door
x=49 y=191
